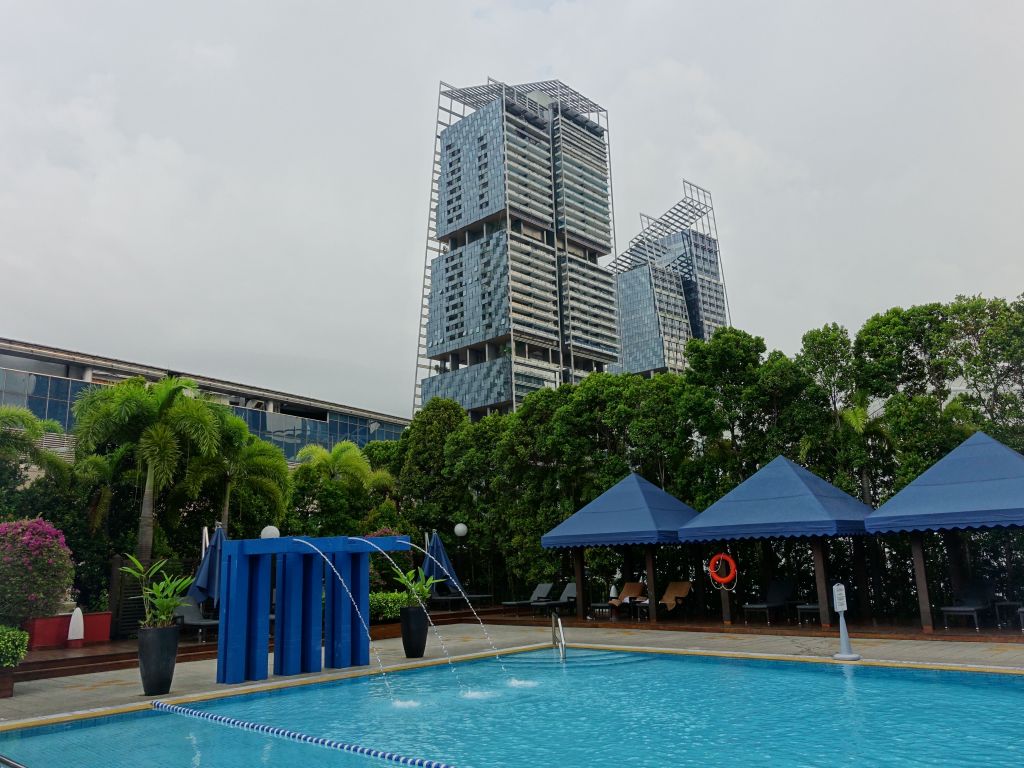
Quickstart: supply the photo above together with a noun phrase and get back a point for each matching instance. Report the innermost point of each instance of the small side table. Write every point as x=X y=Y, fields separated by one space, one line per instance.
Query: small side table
x=1011 y=606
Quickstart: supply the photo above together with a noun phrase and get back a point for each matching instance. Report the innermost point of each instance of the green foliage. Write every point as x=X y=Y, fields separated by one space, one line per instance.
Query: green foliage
x=416 y=585
x=161 y=594
x=13 y=646
x=386 y=606
x=20 y=431
x=35 y=570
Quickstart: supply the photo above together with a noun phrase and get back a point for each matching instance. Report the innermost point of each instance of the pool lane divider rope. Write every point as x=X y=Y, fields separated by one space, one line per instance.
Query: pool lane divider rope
x=302 y=738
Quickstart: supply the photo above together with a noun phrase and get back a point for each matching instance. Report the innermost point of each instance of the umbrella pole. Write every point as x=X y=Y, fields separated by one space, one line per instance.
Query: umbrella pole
x=652 y=593
x=581 y=611
x=821 y=581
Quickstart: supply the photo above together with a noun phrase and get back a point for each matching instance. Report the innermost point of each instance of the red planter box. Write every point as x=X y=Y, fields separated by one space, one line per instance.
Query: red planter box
x=97 y=627
x=47 y=631
x=52 y=631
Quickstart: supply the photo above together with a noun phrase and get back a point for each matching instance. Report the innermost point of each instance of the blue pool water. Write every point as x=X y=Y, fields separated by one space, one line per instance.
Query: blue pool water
x=598 y=709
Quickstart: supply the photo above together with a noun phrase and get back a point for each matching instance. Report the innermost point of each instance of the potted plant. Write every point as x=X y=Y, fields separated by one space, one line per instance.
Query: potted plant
x=36 y=572
x=158 y=631
x=13 y=647
x=413 y=615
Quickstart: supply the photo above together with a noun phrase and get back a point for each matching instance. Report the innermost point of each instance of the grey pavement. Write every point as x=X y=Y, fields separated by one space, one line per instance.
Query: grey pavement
x=121 y=688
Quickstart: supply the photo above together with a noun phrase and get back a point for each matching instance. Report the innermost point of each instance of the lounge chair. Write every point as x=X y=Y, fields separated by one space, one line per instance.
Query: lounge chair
x=567 y=600
x=540 y=593
x=813 y=608
x=675 y=593
x=975 y=599
x=447 y=596
x=632 y=592
x=776 y=595
x=189 y=615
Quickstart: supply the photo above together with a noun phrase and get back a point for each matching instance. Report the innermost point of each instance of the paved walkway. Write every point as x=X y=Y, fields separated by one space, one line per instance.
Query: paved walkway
x=121 y=688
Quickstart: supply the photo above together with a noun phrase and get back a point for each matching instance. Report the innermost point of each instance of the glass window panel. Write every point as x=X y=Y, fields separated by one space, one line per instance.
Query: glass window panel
x=38 y=406
x=17 y=383
x=60 y=389
x=77 y=387
x=58 y=411
x=14 y=398
x=39 y=385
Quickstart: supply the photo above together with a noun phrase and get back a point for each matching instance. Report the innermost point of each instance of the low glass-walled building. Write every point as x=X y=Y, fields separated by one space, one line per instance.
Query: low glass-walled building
x=47 y=380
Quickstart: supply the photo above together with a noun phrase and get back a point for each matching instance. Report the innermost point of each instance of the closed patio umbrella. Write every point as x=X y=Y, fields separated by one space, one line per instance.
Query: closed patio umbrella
x=431 y=568
x=207 y=581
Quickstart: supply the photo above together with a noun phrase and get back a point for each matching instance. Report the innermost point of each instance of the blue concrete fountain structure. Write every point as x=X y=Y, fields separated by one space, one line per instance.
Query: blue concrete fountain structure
x=313 y=610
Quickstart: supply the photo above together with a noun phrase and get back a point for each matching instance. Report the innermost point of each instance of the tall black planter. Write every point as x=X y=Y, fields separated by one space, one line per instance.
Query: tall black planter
x=414 y=632
x=158 y=649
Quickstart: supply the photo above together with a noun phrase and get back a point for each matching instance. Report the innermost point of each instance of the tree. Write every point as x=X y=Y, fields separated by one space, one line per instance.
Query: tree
x=336 y=489
x=20 y=431
x=827 y=357
x=427 y=497
x=164 y=422
x=243 y=461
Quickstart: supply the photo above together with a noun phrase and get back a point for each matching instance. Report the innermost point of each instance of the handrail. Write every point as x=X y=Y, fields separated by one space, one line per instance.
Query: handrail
x=8 y=763
x=558 y=634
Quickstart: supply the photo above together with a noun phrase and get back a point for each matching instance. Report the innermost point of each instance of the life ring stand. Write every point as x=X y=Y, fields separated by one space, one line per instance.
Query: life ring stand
x=731 y=575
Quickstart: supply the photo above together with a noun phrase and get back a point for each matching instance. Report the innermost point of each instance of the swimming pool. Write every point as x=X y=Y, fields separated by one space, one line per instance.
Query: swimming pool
x=599 y=708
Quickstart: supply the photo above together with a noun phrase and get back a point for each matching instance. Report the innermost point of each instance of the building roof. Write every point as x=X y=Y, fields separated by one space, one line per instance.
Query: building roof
x=633 y=511
x=477 y=96
x=979 y=484
x=782 y=499
x=127 y=369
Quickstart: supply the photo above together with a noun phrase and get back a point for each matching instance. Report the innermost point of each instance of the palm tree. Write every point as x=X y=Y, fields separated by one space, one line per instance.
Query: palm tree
x=870 y=433
x=20 y=431
x=345 y=462
x=99 y=472
x=163 y=421
x=243 y=461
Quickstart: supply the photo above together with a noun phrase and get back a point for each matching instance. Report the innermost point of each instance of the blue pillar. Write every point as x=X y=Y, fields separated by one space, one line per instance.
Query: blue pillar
x=312 y=612
x=232 y=642
x=288 y=629
x=338 y=618
x=360 y=586
x=258 y=634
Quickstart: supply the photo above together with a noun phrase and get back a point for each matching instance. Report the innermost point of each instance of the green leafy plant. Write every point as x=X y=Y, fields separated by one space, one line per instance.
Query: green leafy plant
x=416 y=584
x=386 y=606
x=161 y=593
x=13 y=646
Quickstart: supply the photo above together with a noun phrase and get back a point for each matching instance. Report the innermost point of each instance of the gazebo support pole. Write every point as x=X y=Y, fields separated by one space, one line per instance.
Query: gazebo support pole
x=696 y=586
x=726 y=613
x=921 y=578
x=581 y=593
x=820 y=579
x=860 y=577
x=652 y=592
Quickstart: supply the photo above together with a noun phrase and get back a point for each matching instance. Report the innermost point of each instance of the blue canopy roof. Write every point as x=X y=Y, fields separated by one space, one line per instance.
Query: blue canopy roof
x=633 y=511
x=979 y=484
x=780 y=499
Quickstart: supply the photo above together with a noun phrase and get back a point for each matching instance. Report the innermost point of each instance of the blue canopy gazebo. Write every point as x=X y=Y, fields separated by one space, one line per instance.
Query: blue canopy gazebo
x=782 y=499
x=979 y=484
x=633 y=511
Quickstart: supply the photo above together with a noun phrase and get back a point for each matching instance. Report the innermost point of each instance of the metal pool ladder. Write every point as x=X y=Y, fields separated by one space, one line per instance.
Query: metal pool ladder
x=558 y=634
x=8 y=763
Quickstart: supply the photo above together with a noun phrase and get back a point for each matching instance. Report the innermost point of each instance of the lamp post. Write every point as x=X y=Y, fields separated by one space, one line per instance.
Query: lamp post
x=461 y=529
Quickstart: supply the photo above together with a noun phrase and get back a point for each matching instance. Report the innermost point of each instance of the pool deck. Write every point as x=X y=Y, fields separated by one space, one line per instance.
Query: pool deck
x=68 y=698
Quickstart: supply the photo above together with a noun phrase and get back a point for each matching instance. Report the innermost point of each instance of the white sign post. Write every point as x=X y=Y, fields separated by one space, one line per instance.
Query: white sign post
x=845 y=650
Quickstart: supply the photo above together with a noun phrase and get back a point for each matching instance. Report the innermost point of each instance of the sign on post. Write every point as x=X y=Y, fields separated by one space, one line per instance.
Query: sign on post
x=839 y=603
x=839 y=597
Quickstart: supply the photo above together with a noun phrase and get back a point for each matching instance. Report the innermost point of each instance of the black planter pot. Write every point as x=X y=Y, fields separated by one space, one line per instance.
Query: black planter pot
x=414 y=632
x=158 y=649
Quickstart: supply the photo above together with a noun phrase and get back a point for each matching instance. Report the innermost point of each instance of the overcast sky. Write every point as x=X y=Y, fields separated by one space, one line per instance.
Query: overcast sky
x=240 y=189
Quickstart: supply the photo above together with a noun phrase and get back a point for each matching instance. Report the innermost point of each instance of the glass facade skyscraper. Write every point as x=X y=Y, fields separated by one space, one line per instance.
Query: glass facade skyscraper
x=670 y=286
x=514 y=298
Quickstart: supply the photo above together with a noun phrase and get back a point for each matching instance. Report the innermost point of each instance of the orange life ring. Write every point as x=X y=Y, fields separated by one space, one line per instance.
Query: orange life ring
x=730 y=574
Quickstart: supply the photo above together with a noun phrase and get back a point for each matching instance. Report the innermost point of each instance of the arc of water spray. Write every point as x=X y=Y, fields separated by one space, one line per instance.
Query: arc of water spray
x=465 y=597
x=437 y=633
x=355 y=605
